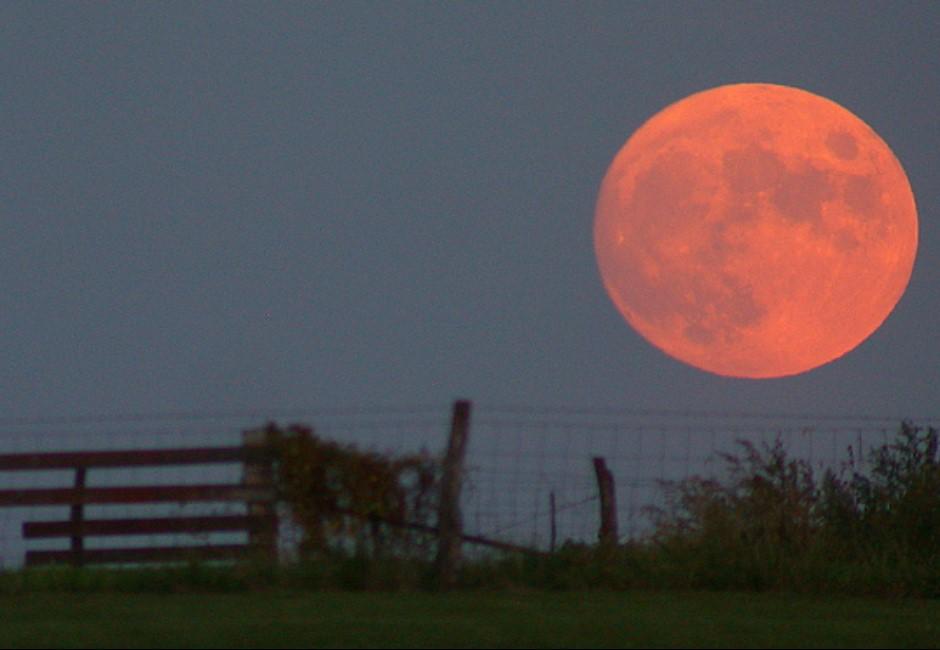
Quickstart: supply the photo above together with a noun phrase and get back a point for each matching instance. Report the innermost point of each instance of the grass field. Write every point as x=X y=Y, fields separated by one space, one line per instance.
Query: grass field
x=466 y=619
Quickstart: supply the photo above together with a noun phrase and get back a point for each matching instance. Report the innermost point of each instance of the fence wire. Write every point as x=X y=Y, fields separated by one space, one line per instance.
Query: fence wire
x=519 y=461
x=523 y=458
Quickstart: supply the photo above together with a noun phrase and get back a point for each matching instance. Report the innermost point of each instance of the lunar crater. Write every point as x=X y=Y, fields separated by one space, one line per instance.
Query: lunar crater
x=861 y=194
x=800 y=194
x=842 y=144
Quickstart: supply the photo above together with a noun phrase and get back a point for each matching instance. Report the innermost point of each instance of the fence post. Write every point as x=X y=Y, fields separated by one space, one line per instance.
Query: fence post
x=259 y=473
x=554 y=527
x=77 y=519
x=607 y=535
x=450 y=522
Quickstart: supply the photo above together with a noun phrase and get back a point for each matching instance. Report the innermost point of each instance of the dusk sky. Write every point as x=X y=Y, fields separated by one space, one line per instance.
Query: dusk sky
x=222 y=206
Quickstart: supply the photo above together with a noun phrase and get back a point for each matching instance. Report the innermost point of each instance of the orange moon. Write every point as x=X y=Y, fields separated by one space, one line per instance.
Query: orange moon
x=755 y=230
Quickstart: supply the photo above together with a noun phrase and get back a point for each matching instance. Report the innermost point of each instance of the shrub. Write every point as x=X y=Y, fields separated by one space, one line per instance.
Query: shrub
x=348 y=500
x=771 y=524
x=894 y=507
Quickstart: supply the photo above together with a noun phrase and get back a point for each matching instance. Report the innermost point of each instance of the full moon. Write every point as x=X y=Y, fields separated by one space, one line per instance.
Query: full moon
x=755 y=230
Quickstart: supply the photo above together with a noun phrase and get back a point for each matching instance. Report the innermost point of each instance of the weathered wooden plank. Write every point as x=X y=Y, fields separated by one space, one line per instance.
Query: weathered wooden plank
x=142 y=555
x=131 y=458
x=136 y=494
x=154 y=526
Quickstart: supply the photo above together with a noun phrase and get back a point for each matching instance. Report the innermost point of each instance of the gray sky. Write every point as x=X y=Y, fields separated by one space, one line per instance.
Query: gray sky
x=221 y=205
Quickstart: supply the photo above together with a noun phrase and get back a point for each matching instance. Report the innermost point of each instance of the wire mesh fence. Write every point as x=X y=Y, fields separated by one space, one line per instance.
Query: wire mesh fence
x=529 y=478
x=524 y=460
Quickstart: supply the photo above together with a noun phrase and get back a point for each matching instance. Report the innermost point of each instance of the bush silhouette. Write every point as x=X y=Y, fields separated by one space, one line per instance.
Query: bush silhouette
x=348 y=500
x=770 y=523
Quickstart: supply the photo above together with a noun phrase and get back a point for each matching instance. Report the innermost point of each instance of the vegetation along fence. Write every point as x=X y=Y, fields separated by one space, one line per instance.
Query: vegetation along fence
x=429 y=481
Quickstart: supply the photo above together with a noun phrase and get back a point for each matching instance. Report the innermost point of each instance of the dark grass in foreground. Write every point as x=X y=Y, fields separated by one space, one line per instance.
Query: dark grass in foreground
x=281 y=618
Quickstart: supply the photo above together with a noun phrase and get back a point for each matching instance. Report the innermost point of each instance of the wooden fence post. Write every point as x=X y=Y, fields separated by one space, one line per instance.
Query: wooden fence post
x=554 y=527
x=450 y=522
x=77 y=518
x=607 y=535
x=259 y=473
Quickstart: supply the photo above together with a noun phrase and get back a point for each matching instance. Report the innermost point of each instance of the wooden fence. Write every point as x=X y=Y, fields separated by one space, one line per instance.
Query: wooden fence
x=255 y=490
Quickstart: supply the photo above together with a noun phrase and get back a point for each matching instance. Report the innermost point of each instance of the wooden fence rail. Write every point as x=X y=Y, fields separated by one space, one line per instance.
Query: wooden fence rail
x=256 y=490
